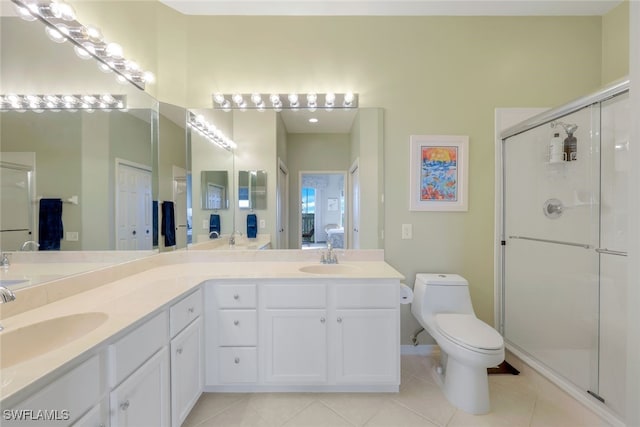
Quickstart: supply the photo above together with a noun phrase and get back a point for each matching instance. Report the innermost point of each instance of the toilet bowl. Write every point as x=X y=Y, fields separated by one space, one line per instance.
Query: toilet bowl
x=468 y=346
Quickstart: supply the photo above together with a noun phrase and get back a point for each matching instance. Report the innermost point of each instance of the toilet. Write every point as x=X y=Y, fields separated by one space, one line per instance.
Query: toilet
x=468 y=346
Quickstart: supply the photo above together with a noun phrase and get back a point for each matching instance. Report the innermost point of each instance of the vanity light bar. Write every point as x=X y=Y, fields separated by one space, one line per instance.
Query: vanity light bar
x=281 y=101
x=61 y=25
x=210 y=132
x=39 y=103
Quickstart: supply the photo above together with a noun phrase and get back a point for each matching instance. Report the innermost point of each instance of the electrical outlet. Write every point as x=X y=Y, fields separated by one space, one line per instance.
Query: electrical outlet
x=263 y=223
x=407 y=231
x=72 y=236
x=205 y=224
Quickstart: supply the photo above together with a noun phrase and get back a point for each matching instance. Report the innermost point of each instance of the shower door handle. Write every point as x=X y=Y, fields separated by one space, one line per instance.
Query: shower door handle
x=610 y=252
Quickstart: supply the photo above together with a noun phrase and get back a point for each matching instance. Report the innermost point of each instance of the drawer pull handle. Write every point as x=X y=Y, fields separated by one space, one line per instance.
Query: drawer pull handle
x=179 y=350
x=322 y=320
x=124 y=405
x=236 y=296
x=191 y=309
x=339 y=319
x=236 y=322
x=236 y=360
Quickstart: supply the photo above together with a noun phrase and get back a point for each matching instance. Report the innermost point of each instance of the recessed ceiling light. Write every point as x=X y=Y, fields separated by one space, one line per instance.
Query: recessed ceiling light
x=313 y=120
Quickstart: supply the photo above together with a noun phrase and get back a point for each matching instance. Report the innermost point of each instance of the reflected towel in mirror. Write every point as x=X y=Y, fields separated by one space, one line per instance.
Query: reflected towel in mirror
x=50 y=224
x=168 y=226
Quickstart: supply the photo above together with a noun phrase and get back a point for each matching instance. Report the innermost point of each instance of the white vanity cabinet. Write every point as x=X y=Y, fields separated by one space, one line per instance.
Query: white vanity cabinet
x=231 y=333
x=63 y=401
x=187 y=356
x=313 y=335
x=140 y=376
x=294 y=327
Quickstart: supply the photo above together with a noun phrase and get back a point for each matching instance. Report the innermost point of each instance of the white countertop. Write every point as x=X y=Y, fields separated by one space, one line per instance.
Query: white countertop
x=130 y=299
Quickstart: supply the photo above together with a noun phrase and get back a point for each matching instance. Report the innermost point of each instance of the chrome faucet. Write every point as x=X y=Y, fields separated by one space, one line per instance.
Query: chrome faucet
x=6 y=295
x=214 y=233
x=5 y=262
x=232 y=238
x=329 y=257
x=34 y=245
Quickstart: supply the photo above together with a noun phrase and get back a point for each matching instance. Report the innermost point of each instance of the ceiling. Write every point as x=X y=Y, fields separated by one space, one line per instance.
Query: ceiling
x=393 y=7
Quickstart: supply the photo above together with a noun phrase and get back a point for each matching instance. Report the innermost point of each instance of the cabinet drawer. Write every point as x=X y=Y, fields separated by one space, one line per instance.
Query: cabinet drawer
x=237 y=328
x=235 y=296
x=238 y=365
x=66 y=398
x=295 y=295
x=367 y=296
x=132 y=350
x=184 y=311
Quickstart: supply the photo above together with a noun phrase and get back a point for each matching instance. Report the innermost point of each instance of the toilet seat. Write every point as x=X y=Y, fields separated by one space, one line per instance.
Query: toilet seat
x=468 y=331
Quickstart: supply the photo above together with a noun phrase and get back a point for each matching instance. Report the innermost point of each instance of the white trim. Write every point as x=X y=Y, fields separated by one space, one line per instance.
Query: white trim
x=355 y=166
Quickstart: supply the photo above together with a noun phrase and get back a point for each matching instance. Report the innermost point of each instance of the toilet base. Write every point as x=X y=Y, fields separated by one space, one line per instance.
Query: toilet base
x=466 y=387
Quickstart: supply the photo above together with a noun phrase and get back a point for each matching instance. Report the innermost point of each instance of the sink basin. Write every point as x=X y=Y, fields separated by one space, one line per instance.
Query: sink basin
x=22 y=344
x=329 y=269
x=9 y=282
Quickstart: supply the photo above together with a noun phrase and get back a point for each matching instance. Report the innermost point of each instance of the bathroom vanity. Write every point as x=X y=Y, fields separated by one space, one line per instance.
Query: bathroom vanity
x=180 y=324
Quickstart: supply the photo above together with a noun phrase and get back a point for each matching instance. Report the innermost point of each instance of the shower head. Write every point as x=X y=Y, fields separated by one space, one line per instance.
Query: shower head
x=570 y=129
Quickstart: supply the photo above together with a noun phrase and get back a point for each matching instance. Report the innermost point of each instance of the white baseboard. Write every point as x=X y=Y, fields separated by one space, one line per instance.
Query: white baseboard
x=421 y=350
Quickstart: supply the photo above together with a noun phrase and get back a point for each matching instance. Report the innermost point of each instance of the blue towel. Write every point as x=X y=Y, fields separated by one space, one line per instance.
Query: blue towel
x=154 y=214
x=50 y=224
x=252 y=226
x=168 y=226
x=214 y=224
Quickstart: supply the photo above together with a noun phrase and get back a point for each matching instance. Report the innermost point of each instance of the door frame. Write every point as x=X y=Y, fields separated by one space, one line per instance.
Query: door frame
x=350 y=210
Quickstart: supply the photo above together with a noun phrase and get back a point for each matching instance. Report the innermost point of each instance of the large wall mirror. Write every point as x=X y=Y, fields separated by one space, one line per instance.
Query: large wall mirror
x=282 y=145
x=101 y=163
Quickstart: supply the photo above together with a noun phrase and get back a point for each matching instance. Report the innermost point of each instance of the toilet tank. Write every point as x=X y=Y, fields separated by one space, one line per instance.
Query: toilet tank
x=440 y=293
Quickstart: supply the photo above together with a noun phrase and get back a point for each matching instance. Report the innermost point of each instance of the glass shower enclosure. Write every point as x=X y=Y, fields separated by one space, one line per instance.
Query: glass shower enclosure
x=563 y=220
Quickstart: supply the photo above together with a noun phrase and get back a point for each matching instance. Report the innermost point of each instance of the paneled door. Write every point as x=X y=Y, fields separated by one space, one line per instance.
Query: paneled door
x=133 y=207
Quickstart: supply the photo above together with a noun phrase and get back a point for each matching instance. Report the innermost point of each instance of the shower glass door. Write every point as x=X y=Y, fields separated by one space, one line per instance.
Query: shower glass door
x=551 y=228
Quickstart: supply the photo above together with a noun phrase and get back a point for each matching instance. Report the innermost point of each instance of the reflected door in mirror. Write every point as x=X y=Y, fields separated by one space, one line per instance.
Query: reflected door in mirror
x=134 y=219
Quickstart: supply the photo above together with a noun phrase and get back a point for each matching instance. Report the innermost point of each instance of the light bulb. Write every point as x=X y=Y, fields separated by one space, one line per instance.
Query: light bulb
x=293 y=99
x=275 y=99
x=25 y=13
x=348 y=99
x=84 y=51
x=218 y=98
x=66 y=12
x=55 y=35
x=226 y=105
x=94 y=34
x=256 y=98
x=108 y=98
x=114 y=50
x=312 y=98
x=149 y=77
x=237 y=98
x=104 y=68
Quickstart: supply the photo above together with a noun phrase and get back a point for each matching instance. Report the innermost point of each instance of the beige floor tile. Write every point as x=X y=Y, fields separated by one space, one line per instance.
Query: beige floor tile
x=426 y=399
x=211 y=404
x=238 y=415
x=357 y=408
x=418 y=366
x=561 y=414
x=277 y=408
x=392 y=414
x=317 y=414
x=509 y=408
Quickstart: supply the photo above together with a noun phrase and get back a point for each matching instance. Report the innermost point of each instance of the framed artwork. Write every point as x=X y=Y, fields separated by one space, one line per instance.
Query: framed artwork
x=332 y=204
x=439 y=173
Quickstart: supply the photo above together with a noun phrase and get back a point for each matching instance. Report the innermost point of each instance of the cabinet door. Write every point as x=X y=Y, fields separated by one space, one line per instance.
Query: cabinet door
x=143 y=398
x=186 y=371
x=367 y=346
x=295 y=346
x=98 y=416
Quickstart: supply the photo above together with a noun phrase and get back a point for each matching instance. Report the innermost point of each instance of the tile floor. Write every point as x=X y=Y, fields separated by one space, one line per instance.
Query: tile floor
x=523 y=400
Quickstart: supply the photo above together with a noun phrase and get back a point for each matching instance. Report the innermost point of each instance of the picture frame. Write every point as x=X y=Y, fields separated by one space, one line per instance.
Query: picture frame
x=439 y=177
x=332 y=204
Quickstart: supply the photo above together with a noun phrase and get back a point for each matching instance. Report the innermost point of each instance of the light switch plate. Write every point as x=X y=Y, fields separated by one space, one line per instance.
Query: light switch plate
x=407 y=231
x=263 y=223
x=205 y=224
x=72 y=236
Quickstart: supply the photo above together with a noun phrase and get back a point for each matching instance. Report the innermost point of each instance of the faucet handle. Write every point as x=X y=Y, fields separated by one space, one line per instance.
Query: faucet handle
x=5 y=262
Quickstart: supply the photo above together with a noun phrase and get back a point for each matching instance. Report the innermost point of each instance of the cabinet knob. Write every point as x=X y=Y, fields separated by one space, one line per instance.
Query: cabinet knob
x=179 y=350
x=322 y=320
x=191 y=309
x=124 y=405
x=339 y=319
x=236 y=296
x=236 y=322
x=236 y=360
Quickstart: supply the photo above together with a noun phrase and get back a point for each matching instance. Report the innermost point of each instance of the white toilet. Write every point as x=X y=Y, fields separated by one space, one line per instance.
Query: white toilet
x=442 y=305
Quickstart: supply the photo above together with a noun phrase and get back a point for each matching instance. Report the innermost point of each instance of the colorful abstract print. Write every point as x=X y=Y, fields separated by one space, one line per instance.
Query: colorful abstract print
x=439 y=174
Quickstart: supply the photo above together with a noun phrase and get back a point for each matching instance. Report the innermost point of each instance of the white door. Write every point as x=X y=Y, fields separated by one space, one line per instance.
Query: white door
x=143 y=398
x=282 y=203
x=296 y=346
x=180 y=205
x=133 y=208
x=367 y=346
x=187 y=358
x=354 y=212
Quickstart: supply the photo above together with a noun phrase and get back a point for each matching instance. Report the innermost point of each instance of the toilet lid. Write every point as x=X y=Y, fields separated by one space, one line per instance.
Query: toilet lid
x=469 y=331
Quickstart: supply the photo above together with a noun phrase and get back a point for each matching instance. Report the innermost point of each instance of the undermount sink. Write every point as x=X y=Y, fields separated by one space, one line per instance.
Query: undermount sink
x=22 y=344
x=328 y=269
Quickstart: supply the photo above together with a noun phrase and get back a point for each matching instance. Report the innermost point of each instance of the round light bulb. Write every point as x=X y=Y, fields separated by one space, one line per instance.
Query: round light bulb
x=218 y=98
x=84 y=51
x=25 y=13
x=256 y=98
x=149 y=77
x=55 y=35
x=114 y=50
x=94 y=34
x=66 y=12
x=237 y=98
